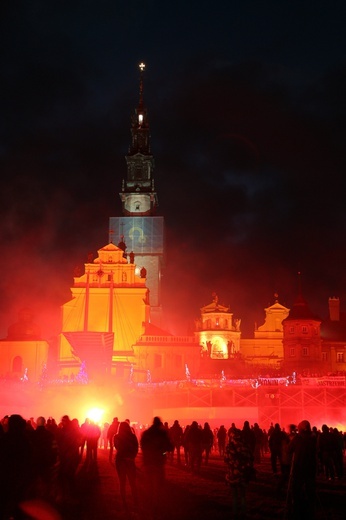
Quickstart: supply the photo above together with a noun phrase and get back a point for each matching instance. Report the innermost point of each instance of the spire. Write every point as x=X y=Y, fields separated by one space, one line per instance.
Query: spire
x=140 y=142
x=138 y=193
x=299 y=283
x=141 y=68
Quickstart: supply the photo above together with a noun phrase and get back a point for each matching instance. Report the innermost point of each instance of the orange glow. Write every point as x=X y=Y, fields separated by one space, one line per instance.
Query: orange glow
x=95 y=414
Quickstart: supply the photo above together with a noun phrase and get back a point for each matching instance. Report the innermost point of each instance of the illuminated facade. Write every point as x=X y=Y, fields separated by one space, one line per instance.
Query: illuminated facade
x=217 y=333
x=139 y=227
x=106 y=314
x=265 y=349
x=23 y=354
x=160 y=356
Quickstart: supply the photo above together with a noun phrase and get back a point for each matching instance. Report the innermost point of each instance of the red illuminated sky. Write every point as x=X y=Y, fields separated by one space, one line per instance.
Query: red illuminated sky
x=247 y=111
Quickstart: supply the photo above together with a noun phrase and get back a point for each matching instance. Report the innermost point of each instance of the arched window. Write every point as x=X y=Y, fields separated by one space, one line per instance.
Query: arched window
x=17 y=364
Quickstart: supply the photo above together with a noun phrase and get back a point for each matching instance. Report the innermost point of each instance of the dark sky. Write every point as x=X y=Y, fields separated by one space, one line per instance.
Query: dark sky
x=247 y=111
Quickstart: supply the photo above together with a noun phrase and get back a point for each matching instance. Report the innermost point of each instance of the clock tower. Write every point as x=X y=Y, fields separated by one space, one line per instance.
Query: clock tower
x=140 y=230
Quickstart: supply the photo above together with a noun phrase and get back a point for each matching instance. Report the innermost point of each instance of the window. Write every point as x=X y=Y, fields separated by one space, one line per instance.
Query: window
x=304 y=329
x=305 y=351
x=157 y=361
x=17 y=365
x=291 y=330
x=324 y=356
x=292 y=352
x=340 y=357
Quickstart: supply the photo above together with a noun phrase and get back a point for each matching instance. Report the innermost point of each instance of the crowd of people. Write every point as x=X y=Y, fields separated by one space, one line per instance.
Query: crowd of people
x=39 y=458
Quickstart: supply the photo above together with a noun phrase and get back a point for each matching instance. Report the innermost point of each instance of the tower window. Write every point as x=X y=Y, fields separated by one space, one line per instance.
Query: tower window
x=17 y=364
x=339 y=357
x=140 y=118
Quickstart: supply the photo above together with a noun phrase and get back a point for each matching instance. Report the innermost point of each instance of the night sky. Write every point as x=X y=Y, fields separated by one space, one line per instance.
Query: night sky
x=247 y=112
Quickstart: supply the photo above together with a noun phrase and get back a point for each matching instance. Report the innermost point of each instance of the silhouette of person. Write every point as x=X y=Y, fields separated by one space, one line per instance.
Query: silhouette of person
x=221 y=439
x=207 y=441
x=303 y=471
x=194 y=445
x=239 y=460
x=275 y=446
x=126 y=445
x=69 y=440
x=45 y=457
x=155 y=444
x=112 y=430
x=93 y=433
x=16 y=466
x=176 y=436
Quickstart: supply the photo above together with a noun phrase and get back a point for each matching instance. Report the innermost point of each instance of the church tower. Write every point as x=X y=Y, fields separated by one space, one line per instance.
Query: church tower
x=139 y=230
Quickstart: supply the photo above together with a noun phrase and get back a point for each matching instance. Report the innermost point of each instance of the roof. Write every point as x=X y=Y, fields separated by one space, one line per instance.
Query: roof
x=301 y=311
x=153 y=330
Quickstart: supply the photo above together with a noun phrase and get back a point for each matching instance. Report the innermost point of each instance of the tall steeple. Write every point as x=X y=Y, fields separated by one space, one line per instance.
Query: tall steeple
x=138 y=194
x=141 y=229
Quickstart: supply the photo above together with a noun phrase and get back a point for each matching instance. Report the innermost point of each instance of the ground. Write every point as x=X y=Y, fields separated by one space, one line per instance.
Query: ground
x=191 y=497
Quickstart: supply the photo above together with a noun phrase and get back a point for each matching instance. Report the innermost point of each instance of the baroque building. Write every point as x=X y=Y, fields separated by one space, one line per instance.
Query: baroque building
x=265 y=349
x=23 y=353
x=302 y=339
x=114 y=320
x=104 y=318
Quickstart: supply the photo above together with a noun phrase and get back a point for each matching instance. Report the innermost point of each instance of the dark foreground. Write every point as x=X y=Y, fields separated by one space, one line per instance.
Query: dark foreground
x=191 y=497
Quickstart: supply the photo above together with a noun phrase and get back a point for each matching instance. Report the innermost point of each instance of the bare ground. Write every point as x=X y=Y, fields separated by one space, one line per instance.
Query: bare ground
x=194 y=496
